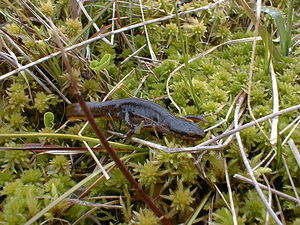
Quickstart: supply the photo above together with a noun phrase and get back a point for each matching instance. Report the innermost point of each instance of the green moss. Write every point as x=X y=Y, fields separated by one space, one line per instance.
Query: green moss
x=181 y=199
x=72 y=27
x=43 y=102
x=224 y=216
x=16 y=160
x=253 y=208
x=149 y=173
x=17 y=98
x=175 y=182
x=145 y=217
x=32 y=176
x=59 y=166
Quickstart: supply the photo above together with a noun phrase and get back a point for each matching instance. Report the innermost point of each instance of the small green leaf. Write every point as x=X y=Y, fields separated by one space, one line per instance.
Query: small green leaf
x=283 y=28
x=102 y=64
x=49 y=120
x=94 y=65
x=262 y=170
x=54 y=191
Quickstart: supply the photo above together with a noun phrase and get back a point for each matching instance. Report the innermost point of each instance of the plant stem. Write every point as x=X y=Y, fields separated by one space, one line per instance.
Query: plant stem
x=102 y=137
x=66 y=136
x=188 y=79
x=262 y=31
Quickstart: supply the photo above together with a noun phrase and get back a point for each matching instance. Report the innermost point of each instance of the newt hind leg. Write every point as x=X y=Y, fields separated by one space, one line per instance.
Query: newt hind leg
x=133 y=130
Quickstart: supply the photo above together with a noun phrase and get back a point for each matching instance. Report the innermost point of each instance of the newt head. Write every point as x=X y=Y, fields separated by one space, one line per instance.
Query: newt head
x=74 y=111
x=185 y=129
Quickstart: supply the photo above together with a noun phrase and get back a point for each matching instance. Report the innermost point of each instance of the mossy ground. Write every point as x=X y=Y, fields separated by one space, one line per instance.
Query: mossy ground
x=178 y=184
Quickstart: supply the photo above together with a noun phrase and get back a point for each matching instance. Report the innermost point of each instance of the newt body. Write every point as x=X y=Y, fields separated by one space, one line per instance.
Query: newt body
x=137 y=111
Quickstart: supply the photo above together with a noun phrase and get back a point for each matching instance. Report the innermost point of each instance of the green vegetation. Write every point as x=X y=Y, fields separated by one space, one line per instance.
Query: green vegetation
x=34 y=100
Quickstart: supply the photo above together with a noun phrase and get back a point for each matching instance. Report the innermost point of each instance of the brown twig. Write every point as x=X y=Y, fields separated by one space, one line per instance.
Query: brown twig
x=102 y=138
x=54 y=149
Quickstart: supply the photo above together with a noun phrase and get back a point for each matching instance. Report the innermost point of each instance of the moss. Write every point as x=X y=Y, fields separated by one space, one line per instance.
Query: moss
x=181 y=199
x=145 y=217
x=175 y=181
x=72 y=27
x=224 y=216
x=59 y=166
x=43 y=102
x=32 y=176
x=149 y=173
x=16 y=160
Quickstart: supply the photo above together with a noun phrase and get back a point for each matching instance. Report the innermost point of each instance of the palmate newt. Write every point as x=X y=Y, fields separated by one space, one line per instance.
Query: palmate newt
x=136 y=113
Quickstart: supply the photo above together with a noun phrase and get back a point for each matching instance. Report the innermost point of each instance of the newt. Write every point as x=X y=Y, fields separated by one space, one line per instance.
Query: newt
x=136 y=113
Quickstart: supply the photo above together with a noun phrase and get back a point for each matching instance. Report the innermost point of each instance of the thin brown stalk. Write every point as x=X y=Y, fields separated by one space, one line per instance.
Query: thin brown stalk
x=290 y=178
x=102 y=138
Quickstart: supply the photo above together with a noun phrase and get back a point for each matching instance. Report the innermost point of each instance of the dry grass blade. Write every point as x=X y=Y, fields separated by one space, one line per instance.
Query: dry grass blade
x=93 y=154
x=153 y=57
x=100 y=37
x=250 y=172
x=232 y=209
x=253 y=53
x=250 y=124
x=267 y=219
x=292 y=130
x=133 y=54
x=264 y=187
x=274 y=131
x=117 y=86
x=291 y=179
x=295 y=151
x=27 y=57
x=169 y=150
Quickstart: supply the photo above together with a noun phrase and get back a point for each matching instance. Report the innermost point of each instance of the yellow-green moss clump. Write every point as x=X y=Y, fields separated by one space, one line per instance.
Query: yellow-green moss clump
x=177 y=183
